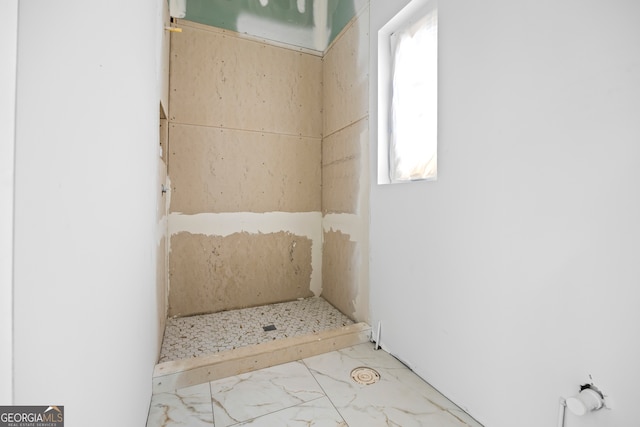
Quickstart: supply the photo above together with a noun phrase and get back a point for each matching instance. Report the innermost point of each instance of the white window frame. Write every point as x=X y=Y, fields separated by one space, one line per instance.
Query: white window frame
x=422 y=164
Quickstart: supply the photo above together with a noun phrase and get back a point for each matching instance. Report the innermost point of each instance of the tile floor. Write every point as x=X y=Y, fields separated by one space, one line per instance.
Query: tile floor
x=315 y=391
x=194 y=336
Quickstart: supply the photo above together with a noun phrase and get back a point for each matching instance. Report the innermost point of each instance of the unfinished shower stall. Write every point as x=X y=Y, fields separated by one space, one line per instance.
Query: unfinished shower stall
x=267 y=203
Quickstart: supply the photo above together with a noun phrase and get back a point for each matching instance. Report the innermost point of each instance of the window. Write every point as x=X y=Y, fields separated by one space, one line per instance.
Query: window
x=408 y=95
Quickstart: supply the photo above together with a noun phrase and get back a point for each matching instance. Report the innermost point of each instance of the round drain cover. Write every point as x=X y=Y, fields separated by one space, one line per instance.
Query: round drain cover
x=365 y=376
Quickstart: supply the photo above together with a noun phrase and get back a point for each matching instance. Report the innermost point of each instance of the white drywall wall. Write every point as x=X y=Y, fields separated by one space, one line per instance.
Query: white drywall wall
x=515 y=275
x=8 y=49
x=85 y=323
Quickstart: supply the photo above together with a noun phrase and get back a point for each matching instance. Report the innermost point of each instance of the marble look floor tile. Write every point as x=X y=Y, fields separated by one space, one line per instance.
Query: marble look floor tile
x=400 y=398
x=411 y=380
x=190 y=406
x=247 y=396
x=317 y=413
x=464 y=418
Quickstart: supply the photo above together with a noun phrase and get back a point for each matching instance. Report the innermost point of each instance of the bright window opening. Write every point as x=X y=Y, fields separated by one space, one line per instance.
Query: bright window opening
x=408 y=95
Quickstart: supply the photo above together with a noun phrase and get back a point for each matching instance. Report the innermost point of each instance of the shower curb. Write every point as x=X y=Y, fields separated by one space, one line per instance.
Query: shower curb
x=169 y=376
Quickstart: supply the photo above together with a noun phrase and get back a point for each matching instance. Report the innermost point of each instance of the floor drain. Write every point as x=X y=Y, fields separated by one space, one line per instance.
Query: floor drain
x=365 y=376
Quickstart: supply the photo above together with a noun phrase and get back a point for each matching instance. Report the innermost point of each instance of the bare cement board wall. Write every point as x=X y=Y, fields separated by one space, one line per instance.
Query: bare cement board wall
x=161 y=231
x=345 y=171
x=245 y=139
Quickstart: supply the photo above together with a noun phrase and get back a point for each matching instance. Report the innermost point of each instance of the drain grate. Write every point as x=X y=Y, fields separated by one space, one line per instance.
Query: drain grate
x=365 y=376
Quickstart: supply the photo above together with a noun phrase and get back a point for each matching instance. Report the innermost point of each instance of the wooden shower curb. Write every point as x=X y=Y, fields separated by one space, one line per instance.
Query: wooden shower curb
x=177 y=374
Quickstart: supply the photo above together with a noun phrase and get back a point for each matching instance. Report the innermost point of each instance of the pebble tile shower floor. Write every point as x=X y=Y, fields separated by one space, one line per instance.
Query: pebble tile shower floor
x=187 y=337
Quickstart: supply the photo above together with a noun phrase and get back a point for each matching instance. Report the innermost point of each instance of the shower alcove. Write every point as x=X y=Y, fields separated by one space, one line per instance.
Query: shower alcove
x=267 y=215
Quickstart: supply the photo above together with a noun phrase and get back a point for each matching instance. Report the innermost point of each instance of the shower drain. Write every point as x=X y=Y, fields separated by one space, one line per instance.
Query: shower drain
x=365 y=376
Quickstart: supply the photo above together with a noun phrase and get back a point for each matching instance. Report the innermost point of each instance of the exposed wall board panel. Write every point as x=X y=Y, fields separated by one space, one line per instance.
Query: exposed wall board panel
x=345 y=166
x=164 y=57
x=220 y=170
x=224 y=224
x=216 y=273
x=246 y=36
x=161 y=289
x=244 y=155
x=164 y=140
x=162 y=273
x=346 y=77
x=339 y=271
x=356 y=229
x=342 y=164
x=278 y=20
x=218 y=79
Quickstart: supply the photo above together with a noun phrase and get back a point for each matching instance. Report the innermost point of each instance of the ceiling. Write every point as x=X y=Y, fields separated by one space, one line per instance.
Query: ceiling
x=311 y=24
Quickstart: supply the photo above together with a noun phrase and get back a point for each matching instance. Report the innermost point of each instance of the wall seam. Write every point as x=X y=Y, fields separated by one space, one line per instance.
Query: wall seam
x=175 y=122
x=355 y=122
x=242 y=36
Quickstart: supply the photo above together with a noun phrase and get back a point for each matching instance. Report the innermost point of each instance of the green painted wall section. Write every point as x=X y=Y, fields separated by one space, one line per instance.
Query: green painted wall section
x=225 y=14
x=343 y=12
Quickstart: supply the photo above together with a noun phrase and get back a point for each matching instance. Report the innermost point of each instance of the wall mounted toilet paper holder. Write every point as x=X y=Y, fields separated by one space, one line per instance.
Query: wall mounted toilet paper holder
x=588 y=399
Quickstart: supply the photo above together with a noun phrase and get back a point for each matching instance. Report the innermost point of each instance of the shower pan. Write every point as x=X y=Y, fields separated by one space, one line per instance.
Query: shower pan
x=206 y=347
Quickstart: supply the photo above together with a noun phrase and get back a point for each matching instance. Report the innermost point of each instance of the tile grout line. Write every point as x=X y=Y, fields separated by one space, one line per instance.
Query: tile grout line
x=325 y=392
x=213 y=415
x=287 y=408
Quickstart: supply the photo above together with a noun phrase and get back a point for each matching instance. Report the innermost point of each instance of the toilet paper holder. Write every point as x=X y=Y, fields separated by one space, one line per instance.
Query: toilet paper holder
x=588 y=399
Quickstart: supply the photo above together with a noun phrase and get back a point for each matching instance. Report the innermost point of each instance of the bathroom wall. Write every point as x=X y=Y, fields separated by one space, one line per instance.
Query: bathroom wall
x=162 y=203
x=245 y=138
x=162 y=228
x=86 y=157
x=8 y=51
x=514 y=276
x=345 y=170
